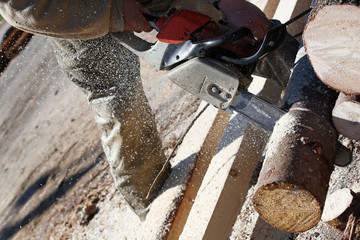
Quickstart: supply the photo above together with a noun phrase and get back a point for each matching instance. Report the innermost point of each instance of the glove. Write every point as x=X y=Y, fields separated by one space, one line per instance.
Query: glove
x=241 y=13
x=132 y=12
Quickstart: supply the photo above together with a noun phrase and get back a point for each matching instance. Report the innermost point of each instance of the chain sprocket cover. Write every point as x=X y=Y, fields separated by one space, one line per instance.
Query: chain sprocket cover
x=208 y=79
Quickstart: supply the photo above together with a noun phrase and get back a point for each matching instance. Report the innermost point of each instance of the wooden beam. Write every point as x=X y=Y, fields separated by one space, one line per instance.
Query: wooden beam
x=215 y=178
x=288 y=9
x=271 y=7
x=236 y=185
x=259 y=3
x=201 y=166
x=164 y=208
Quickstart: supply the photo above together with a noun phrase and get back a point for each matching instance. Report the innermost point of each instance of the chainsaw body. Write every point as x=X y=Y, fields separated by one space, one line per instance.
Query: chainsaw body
x=199 y=56
x=208 y=79
x=210 y=68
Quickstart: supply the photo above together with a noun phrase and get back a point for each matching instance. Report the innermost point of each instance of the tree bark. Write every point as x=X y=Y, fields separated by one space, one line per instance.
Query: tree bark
x=346 y=116
x=331 y=38
x=293 y=182
x=339 y=206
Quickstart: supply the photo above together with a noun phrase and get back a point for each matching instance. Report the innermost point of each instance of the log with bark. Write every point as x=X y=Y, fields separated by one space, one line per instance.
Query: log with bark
x=293 y=182
x=331 y=38
x=346 y=116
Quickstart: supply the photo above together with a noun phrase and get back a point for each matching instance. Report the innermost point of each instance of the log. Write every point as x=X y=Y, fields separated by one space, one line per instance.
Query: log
x=331 y=38
x=339 y=206
x=346 y=116
x=293 y=182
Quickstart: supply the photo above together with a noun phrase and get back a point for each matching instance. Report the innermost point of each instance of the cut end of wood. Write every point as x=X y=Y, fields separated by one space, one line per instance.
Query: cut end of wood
x=336 y=204
x=331 y=40
x=346 y=119
x=339 y=206
x=287 y=207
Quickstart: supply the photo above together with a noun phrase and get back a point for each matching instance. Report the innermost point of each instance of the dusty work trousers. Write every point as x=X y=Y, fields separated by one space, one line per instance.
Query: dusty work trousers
x=109 y=75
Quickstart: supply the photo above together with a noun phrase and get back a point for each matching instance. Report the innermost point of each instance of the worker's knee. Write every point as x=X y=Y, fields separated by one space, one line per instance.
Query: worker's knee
x=97 y=64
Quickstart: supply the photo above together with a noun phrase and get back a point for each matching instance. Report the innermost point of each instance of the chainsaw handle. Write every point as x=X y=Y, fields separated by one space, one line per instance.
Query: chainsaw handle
x=132 y=42
x=188 y=49
x=152 y=53
x=164 y=55
x=271 y=40
x=225 y=39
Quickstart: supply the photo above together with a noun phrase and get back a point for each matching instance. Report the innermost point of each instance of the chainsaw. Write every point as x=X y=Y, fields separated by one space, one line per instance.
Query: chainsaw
x=209 y=68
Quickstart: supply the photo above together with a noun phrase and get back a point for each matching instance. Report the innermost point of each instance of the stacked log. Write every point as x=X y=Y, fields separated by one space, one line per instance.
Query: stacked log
x=346 y=116
x=293 y=182
x=331 y=38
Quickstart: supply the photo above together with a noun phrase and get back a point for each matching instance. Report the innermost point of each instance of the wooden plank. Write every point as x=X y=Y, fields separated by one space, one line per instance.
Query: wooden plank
x=290 y=8
x=285 y=10
x=271 y=7
x=162 y=216
x=236 y=185
x=267 y=6
x=214 y=180
x=202 y=163
x=260 y=3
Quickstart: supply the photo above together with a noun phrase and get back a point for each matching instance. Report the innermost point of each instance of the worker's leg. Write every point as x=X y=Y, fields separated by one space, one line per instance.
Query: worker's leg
x=109 y=74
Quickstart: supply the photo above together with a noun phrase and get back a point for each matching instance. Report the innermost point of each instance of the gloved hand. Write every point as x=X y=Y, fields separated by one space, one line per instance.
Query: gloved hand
x=134 y=20
x=241 y=13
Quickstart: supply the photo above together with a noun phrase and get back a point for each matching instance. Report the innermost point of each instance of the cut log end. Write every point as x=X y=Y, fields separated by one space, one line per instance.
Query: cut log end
x=331 y=40
x=338 y=207
x=287 y=207
x=346 y=116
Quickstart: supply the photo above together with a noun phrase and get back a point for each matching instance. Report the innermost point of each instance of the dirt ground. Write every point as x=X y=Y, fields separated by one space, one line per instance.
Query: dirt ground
x=55 y=179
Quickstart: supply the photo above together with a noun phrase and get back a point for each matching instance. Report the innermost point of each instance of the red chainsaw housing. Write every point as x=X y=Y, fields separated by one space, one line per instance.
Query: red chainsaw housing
x=178 y=27
x=185 y=23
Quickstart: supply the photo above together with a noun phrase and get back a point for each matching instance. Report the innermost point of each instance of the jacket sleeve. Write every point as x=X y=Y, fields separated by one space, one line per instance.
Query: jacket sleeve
x=71 y=19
